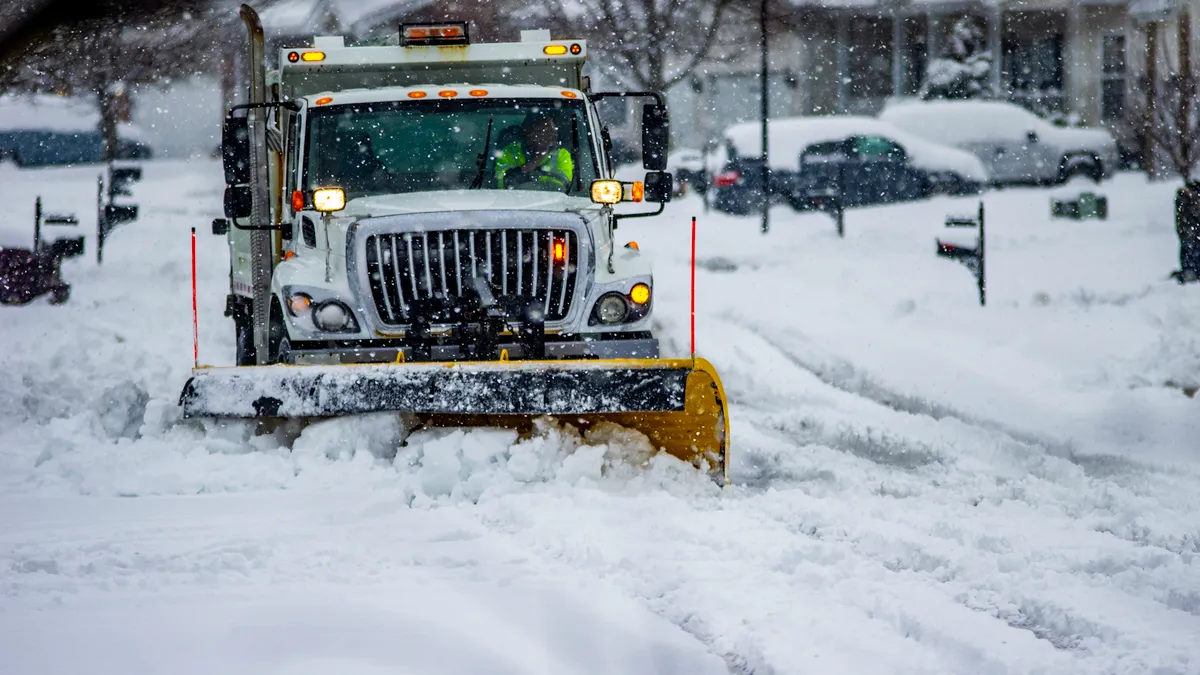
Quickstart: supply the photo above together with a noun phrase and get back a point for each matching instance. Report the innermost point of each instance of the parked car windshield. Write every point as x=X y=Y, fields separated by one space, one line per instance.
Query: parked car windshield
x=395 y=147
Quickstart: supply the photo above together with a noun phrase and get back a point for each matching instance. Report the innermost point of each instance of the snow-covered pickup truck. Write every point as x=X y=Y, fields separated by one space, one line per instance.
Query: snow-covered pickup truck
x=1015 y=145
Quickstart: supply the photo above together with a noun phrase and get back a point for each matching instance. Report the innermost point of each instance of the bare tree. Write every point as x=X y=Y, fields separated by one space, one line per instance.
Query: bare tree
x=105 y=57
x=652 y=44
x=1165 y=109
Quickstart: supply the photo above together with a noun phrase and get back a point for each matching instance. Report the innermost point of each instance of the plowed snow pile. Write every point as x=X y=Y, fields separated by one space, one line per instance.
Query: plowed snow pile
x=921 y=485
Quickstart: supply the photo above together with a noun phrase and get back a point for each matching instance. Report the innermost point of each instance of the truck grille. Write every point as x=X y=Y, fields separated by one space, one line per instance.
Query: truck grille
x=406 y=267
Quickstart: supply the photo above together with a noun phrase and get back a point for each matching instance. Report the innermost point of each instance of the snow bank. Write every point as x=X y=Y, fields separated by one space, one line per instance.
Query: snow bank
x=790 y=136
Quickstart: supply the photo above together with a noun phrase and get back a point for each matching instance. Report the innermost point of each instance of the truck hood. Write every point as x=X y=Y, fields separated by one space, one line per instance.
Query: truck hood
x=463 y=200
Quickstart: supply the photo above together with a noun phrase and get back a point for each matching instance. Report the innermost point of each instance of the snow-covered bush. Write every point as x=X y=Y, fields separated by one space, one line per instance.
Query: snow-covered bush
x=963 y=69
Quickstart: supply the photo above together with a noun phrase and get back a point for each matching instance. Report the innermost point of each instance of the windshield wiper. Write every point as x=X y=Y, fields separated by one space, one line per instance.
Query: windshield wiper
x=487 y=146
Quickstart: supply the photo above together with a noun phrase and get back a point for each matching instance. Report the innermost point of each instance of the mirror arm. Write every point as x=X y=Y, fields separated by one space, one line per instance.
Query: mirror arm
x=290 y=105
x=648 y=214
x=657 y=96
x=255 y=227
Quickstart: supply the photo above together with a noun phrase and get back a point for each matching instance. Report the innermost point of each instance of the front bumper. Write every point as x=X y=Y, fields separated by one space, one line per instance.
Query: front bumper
x=393 y=352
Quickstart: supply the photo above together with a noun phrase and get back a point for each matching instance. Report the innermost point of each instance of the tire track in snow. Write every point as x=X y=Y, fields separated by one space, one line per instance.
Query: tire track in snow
x=1173 y=585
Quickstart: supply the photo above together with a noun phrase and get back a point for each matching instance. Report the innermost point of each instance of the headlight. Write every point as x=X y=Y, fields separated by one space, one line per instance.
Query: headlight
x=327 y=200
x=640 y=294
x=612 y=309
x=607 y=191
x=332 y=317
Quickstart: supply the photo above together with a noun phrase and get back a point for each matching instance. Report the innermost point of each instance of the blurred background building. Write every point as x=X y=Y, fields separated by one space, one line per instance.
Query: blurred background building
x=1094 y=62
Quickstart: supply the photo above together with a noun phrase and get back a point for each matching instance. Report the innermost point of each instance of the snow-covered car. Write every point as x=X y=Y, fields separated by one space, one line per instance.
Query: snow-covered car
x=1015 y=145
x=866 y=160
x=687 y=165
x=51 y=130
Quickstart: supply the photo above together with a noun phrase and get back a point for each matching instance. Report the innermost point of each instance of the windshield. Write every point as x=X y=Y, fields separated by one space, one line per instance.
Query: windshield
x=392 y=147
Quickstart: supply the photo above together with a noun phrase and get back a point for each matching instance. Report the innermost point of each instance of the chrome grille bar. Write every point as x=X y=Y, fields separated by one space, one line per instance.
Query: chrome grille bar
x=394 y=281
x=387 y=303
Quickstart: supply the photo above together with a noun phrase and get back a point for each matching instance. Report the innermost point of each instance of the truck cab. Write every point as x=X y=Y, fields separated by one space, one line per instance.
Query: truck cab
x=434 y=201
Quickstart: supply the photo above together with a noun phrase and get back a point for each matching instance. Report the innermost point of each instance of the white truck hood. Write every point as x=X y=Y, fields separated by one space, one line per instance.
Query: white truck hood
x=463 y=200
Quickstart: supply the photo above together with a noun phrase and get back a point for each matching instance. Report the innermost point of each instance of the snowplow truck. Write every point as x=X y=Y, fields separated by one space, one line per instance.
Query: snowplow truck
x=427 y=227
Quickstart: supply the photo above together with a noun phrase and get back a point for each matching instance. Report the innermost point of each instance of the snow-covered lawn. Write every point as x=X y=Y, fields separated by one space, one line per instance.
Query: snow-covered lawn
x=921 y=485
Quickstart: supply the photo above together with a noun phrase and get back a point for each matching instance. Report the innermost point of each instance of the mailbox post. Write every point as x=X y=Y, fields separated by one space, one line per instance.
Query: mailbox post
x=975 y=259
x=109 y=215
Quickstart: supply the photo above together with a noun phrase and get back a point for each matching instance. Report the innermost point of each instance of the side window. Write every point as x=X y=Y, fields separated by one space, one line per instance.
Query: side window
x=294 y=143
x=828 y=152
x=878 y=149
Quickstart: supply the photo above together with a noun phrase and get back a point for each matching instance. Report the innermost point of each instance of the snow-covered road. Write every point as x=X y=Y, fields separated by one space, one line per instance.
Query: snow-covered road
x=921 y=485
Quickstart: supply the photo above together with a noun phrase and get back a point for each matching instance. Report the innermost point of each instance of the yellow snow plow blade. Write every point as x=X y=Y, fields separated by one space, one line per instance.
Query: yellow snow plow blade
x=678 y=404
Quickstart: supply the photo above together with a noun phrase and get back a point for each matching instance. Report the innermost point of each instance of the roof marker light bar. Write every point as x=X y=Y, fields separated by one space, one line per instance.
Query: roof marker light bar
x=434 y=34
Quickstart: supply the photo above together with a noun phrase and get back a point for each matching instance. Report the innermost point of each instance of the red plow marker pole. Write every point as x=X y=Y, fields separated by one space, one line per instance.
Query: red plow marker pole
x=693 y=327
x=195 y=317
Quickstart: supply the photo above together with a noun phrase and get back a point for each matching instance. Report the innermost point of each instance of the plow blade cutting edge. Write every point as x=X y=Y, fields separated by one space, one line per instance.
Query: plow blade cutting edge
x=678 y=404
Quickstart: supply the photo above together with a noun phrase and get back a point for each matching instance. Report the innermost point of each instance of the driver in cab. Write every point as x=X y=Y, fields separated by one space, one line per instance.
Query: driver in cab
x=537 y=159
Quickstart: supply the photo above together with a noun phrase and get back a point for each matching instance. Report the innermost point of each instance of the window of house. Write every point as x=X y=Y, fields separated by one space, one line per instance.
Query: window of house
x=870 y=58
x=1113 y=78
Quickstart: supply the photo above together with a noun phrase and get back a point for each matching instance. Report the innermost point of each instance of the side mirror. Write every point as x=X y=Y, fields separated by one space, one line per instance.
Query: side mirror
x=67 y=248
x=659 y=186
x=238 y=201
x=235 y=150
x=655 y=137
x=220 y=226
x=1032 y=137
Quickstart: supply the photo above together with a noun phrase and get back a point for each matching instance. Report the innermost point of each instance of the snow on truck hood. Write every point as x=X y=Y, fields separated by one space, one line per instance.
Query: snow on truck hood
x=464 y=200
x=790 y=136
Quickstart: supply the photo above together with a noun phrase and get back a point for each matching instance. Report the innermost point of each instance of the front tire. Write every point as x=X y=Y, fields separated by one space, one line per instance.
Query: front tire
x=244 y=338
x=278 y=344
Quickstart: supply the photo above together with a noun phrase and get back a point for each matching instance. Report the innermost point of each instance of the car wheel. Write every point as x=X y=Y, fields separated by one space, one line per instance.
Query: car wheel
x=1077 y=165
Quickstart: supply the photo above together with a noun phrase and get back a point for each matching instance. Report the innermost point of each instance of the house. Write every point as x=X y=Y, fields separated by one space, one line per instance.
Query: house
x=1076 y=60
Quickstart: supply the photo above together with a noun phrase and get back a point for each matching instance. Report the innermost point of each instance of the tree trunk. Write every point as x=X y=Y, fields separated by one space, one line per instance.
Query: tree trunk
x=1150 y=122
x=1185 y=154
x=109 y=114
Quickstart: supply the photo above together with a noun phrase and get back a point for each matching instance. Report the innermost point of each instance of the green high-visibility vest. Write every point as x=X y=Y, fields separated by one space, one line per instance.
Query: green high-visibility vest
x=555 y=167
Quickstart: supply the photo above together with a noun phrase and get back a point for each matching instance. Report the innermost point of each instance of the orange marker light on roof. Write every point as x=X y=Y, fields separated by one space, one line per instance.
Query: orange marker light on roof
x=439 y=35
x=293 y=56
x=478 y=92
x=633 y=245
x=417 y=94
x=555 y=50
x=576 y=48
x=312 y=56
x=324 y=100
x=570 y=94
x=447 y=93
